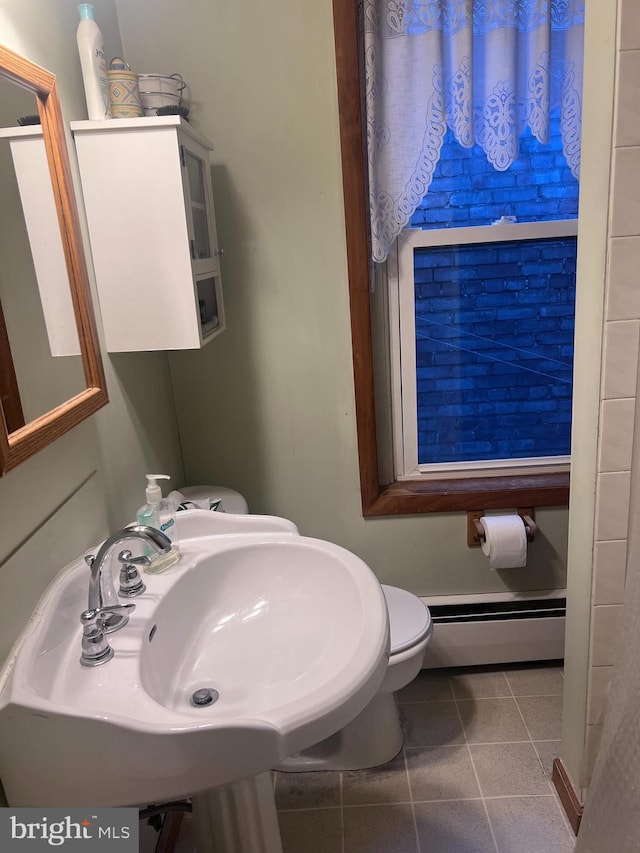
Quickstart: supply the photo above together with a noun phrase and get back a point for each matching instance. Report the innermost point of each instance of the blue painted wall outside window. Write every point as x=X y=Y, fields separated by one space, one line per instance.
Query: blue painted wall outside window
x=494 y=322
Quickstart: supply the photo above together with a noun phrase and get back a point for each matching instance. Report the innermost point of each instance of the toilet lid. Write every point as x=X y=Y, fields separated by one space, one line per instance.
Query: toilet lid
x=409 y=618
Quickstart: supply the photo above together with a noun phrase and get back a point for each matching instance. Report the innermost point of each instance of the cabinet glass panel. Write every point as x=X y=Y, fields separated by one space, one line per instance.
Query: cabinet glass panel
x=195 y=172
x=208 y=304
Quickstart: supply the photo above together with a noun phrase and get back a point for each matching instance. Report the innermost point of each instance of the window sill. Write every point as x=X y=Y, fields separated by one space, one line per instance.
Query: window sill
x=414 y=497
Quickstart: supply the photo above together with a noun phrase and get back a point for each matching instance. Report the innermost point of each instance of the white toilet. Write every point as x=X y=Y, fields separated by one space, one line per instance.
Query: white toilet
x=229 y=500
x=374 y=736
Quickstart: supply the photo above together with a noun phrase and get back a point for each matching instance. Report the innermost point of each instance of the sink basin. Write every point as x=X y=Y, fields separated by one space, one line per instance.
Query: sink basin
x=291 y=632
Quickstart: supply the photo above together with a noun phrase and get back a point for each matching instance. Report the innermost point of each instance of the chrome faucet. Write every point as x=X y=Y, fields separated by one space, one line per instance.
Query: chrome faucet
x=105 y=614
x=102 y=594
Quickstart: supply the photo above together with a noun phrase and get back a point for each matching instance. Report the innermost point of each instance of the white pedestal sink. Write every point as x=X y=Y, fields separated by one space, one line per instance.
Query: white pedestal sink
x=291 y=633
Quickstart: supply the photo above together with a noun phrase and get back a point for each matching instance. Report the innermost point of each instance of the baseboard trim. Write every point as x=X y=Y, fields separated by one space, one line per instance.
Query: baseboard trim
x=495 y=641
x=567 y=793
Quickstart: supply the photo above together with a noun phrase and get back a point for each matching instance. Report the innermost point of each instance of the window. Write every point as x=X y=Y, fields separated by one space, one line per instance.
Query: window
x=410 y=490
x=483 y=348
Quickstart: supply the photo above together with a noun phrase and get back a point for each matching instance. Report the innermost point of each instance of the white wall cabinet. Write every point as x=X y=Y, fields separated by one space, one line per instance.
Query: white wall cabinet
x=149 y=201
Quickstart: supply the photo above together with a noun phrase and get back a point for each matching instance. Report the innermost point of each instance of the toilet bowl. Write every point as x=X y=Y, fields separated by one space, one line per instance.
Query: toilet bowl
x=375 y=736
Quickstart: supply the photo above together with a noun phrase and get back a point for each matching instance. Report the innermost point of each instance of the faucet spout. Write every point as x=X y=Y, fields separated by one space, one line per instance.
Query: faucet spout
x=101 y=590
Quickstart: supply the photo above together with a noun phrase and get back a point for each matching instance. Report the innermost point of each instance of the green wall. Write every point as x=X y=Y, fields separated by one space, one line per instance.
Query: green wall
x=70 y=495
x=268 y=407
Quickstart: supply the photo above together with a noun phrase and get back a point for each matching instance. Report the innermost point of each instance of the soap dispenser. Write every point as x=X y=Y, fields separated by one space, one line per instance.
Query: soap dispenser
x=161 y=514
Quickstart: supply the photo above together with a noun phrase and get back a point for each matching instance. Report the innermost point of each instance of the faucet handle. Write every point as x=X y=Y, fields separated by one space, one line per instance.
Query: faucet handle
x=89 y=560
x=130 y=581
x=126 y=557
x=114 y=608
x=99 y=615
x=95 y=647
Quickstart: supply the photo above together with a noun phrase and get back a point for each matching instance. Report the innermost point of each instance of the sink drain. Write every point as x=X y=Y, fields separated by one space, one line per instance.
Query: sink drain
x=204 y=696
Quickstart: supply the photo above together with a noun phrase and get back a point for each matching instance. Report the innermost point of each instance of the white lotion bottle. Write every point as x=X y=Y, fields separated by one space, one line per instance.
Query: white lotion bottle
x=93 y=63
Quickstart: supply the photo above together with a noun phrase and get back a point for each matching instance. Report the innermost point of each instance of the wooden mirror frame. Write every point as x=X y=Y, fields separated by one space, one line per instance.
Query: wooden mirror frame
x=20 y=444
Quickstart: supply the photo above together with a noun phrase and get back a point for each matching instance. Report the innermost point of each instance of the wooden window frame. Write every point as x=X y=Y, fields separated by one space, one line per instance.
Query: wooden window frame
x=403 y=496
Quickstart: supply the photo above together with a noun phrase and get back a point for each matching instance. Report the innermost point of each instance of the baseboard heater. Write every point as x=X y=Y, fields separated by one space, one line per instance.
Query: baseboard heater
x=472 y=633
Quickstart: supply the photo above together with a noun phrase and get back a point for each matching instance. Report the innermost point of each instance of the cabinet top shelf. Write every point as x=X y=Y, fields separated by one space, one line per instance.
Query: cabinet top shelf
x=20 y=131
x=148 y=122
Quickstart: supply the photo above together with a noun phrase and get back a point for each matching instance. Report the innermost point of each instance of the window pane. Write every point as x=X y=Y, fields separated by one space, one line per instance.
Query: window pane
x=494 y=349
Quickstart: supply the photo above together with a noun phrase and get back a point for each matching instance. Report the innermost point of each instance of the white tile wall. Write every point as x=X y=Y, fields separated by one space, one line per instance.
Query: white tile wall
x=625 y=213
x=612 y=505
x=606 y=625
x=623 y=297
x=629 y=25
x=599 y=682
x=609 y=569
x=627 y=128
x=621 y=355
x=616 y=434
x=620 y=370
x=594 y=736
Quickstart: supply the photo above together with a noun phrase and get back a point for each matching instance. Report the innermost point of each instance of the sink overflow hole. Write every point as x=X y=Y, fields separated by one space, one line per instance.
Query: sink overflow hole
x=204 y=696
x=152 y=632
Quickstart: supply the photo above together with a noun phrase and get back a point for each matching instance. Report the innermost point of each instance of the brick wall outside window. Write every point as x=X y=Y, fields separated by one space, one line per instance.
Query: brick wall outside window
x=467 y=190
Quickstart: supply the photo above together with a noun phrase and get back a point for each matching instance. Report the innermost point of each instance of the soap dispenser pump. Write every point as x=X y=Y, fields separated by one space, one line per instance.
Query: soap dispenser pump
x=161 y=514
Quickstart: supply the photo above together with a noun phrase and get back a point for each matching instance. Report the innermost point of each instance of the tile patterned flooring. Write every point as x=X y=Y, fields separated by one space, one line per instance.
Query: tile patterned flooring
x=474 y=775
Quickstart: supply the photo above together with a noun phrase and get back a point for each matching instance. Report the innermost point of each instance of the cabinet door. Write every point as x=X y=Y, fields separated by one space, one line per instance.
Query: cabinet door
x=201 y=220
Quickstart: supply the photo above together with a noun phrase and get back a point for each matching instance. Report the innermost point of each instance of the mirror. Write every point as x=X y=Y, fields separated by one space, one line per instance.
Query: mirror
x=46 y=358
x=51 y=375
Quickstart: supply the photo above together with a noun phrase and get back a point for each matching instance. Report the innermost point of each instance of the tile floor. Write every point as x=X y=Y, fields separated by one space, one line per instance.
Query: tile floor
x=473 y=776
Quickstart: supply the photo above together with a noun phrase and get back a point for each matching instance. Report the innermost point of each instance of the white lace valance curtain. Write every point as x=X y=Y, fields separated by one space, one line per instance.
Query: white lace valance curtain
x=486 y=69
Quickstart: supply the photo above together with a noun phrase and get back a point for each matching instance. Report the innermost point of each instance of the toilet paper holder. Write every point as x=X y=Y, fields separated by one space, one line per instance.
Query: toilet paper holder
x=475 y=531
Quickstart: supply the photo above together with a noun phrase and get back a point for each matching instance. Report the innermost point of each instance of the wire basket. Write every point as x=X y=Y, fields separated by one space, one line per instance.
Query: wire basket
x=161 y=90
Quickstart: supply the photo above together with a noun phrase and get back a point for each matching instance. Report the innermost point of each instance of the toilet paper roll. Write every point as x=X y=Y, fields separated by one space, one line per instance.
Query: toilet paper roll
x=505 y=541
